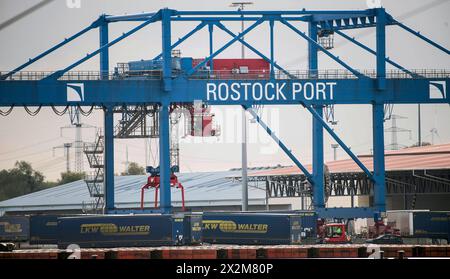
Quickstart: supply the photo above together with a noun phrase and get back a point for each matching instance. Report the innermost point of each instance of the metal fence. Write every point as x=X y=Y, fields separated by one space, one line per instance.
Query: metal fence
x=84 y=75
x=230 y=75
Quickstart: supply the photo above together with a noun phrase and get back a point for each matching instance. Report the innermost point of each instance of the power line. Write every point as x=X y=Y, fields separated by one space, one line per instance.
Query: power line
x=29 y=146
x=56 y=167
x=48 y=162
x=27 y=155
x=24 y=13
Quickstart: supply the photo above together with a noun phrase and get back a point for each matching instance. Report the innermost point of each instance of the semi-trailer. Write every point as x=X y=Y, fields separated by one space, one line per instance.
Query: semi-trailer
x=43 y=229
x=14 y=229
x=421 y=223
x=246 y=228
x=108 y=231
x=251 y=228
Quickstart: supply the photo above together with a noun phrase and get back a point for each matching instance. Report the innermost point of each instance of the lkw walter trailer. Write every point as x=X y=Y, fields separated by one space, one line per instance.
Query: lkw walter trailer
x=421 y=223
x=251 y=228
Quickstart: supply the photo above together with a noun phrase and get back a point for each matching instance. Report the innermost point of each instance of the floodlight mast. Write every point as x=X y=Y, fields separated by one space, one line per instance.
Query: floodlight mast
x=241 y=6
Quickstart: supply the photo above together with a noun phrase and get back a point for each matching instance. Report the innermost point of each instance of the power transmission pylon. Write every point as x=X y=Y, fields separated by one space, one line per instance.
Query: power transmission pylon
x=394 y=130
x=74 y=115
x=66 y=147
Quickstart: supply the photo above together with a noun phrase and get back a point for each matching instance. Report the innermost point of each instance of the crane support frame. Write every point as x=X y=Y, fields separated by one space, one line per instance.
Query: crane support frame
x=313 y=88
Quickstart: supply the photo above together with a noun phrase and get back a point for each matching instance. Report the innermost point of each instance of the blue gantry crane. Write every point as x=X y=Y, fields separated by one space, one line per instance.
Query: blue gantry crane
x=167 y=81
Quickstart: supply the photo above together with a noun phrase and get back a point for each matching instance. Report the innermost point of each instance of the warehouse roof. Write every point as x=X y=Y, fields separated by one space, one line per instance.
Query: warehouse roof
x=201 y=189
x=413 y=158
x=218 y=188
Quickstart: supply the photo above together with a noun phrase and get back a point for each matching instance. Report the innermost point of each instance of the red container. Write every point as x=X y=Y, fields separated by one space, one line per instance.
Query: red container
x=253 y=64
x=241 y=68
x=251 y=68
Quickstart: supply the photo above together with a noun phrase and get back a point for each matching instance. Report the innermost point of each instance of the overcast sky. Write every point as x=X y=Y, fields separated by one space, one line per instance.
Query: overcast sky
x=23 y=137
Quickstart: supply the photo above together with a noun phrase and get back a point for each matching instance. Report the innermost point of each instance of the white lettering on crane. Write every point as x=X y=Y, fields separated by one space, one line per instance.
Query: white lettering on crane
x=331 y=85
x=266 y=89
x=211 y=89
x=296 y=89
x=223 y=93
x=257 y=87
x=235 y=90
x=280 y=91
x=246 y=85
x=308 y=91
x=320 y=89
x=270 y=91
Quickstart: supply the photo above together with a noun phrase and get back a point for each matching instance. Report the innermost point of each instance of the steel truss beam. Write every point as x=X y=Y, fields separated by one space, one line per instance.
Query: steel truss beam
x=184 y=38
x=311 y=41
x=348 y=184
x=207 y=59
x=417 y=34
x=47 y=52
x=59 y=73
x=221 y=26
x=342 y=34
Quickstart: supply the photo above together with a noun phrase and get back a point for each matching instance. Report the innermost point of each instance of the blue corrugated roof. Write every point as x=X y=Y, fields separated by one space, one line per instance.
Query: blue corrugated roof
x=201 y=189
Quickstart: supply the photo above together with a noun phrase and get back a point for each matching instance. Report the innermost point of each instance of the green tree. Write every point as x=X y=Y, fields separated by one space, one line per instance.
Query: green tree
x=20 y=180
x=134 y=169
x=67 y=177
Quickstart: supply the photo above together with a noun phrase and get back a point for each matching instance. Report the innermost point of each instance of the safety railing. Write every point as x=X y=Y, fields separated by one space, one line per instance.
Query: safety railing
x=94 y=176
x=83 y=75
x=229 y=75
x=92 y=207
x=321 y=74
x=96 y=147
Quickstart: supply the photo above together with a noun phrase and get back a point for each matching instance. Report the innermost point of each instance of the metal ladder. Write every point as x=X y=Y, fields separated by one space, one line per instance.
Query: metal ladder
x=95 y=179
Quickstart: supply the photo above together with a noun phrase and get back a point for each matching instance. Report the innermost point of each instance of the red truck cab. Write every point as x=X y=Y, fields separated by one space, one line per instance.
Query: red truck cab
x=332 y=233
x=335 y=233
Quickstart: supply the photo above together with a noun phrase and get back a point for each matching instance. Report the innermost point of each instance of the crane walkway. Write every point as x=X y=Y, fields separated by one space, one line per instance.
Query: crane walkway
x=227 y=75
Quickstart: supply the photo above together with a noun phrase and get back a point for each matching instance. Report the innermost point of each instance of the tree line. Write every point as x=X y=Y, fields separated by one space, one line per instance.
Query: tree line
x=22 y=179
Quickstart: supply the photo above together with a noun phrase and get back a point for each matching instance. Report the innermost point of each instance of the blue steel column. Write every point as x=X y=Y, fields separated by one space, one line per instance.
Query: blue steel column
x=272 y=58
x=317 y=164
x=313 y=63
x=166 y=49
x=381 y=48
x=164 y=158
x=108 y=155
x=211 y=45
x=378 y=157
x=378 y=115
x=104 y=54
x=164 y=137
x=108 y=158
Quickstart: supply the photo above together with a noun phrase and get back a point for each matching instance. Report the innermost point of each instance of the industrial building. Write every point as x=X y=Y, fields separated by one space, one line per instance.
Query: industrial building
x=418 y=178
x=203 y=191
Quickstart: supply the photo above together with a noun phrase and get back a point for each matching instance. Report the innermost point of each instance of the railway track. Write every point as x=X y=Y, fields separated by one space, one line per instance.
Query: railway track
x=235 y=252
